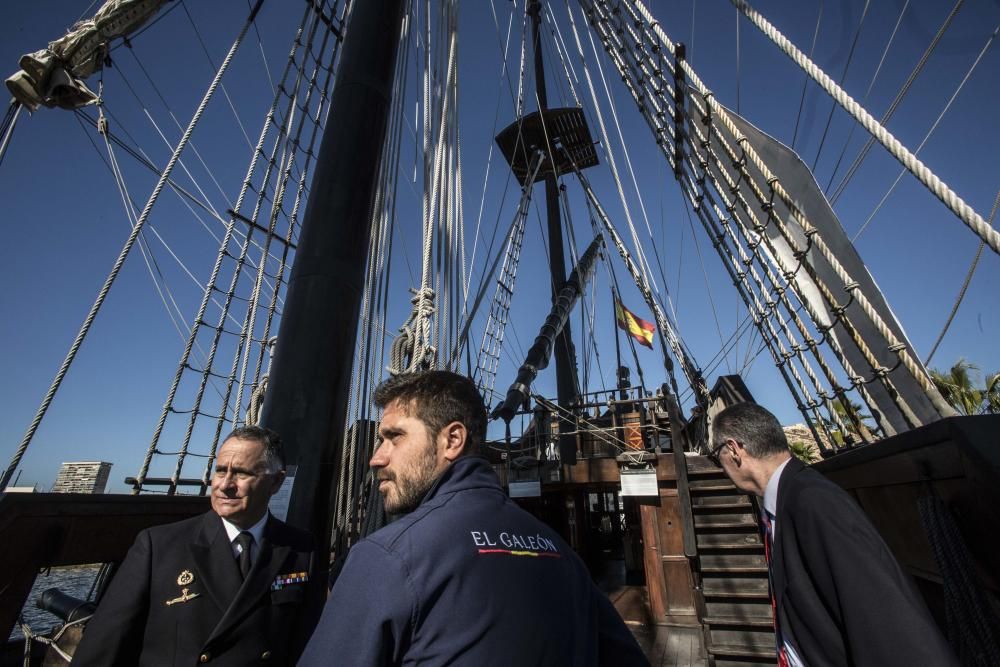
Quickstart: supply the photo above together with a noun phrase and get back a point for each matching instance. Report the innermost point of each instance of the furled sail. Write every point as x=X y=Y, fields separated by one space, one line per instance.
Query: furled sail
x=53 y=76
x=901 y=387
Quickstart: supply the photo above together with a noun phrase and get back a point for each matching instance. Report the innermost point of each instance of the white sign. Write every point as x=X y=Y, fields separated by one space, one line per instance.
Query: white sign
x=279 y=501
x=639 y=482
x=531 y=489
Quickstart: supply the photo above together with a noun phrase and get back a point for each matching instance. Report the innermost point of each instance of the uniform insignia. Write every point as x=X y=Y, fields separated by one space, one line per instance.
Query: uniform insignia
x=184 y=596
x=185 y=578
x=283 y=580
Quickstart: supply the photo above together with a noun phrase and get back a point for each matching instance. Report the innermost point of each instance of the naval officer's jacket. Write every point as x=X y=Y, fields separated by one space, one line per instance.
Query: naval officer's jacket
x=468 y=578
x=179 y=599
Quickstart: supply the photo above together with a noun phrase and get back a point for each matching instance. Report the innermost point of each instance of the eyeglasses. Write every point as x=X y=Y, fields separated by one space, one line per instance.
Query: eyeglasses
x=713 y=455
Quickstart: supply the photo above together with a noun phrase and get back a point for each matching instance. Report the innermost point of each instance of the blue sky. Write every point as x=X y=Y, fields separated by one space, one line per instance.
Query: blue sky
x=63 y=222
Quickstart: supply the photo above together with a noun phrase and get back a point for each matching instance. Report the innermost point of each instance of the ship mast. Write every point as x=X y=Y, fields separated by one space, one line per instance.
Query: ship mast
x=565 y=353
x=306 y=401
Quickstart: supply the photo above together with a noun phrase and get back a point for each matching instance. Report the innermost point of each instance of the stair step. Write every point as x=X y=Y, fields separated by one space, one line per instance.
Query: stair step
x=711 y=500
x=701 y=465
x=733 y=562
x=742 y=651
x=735 y=508
x=729 y=540
x=748 y=637
x=713 y=485
x=736 y=570
x=741 y=608
x=725 y=520
x=726 y=621
x=744 y=662
x=734 y=586
x=735 y=596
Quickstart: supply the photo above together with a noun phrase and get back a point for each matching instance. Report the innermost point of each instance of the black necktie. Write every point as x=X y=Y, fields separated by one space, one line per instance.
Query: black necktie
x=244 y=539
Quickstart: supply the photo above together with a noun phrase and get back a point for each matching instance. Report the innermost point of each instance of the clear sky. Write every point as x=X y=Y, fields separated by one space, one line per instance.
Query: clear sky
x=63 y=222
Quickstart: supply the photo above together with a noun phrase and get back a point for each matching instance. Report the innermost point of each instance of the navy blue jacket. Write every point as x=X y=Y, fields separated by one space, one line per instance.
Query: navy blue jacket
x=468 y=578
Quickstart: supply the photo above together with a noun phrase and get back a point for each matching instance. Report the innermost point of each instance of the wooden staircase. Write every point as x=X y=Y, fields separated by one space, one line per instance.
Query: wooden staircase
x=732 y=569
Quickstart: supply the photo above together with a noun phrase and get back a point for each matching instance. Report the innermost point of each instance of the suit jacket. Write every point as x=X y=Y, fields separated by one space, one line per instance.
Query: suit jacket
x=223 y=620
x=842 y=598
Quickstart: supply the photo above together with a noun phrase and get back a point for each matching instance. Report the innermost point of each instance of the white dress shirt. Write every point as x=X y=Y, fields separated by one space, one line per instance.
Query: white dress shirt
x=771 y=495
x=256 y=530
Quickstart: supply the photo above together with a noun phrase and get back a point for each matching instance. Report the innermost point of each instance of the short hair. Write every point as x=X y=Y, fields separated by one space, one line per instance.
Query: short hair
x=754 y=427
x=274 y=452
x=438 y=398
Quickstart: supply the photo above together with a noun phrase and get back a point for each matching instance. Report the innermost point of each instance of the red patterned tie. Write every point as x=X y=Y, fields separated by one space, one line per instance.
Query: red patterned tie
x=779 y=644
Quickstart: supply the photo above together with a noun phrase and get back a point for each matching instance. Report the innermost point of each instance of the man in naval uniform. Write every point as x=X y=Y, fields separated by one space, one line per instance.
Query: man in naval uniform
x=464 y=576
x=234 y=586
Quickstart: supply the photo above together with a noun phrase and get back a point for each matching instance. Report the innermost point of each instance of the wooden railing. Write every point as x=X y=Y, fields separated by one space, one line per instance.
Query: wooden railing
x=40 y=530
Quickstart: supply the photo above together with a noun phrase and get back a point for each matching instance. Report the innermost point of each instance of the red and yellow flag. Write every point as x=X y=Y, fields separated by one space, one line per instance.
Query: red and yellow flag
x=639 y=328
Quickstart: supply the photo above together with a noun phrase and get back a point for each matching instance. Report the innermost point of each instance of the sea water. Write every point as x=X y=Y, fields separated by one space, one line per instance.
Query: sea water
x=75 y=580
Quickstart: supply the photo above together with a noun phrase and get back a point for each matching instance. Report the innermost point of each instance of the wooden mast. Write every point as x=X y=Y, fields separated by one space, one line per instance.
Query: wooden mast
x=306 y=401
x=565 y=353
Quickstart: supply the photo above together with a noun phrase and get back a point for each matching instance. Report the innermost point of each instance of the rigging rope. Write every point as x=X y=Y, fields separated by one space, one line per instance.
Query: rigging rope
x=805 y=82
x=240 y=258
x=7 y=127
x=740 y=158
x=868 y=92
x=961 y=292
x=649 y=94
x=136 y=230
x=940 y=189
x=895 y=102
x=843 y=75
x=927 y=137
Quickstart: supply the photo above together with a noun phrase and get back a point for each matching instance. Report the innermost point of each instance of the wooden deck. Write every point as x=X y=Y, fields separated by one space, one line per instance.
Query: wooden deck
x=665 y=646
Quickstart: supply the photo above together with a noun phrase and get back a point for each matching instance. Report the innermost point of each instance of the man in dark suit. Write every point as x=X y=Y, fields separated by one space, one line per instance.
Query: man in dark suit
x=839 y=594
x=234 y=586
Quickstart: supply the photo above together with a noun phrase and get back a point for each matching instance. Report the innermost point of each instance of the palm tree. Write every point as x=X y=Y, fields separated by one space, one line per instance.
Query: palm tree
x=991 y=404
x=958 y=387
x=853 y=417
x=804 y=451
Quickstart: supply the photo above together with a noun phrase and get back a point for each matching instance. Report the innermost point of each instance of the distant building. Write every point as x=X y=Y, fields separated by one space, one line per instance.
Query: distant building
x=22 y=489
x=82 y=477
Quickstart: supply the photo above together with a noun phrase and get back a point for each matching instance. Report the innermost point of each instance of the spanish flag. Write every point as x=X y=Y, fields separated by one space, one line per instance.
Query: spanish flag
x=639 y=328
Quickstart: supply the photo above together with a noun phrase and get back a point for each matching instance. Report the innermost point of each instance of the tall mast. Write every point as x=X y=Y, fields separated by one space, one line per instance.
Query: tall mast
x=306 y=401
x=565 y=353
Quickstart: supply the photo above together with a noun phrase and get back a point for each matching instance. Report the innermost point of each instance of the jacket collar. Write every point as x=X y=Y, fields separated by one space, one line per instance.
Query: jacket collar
x=771 y=490
x=794 y=467
x=468 y=472
x=212 y=554
x=788 y=475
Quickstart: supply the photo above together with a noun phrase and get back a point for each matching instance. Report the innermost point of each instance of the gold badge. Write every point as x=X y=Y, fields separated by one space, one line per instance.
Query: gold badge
x=184 y=596
x=185 y=578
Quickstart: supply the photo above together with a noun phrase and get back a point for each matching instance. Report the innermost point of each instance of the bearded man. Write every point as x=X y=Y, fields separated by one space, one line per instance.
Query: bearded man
x=464 y=576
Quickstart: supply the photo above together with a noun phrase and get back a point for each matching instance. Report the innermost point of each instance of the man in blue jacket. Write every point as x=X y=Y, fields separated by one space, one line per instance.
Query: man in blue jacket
x=464 y=577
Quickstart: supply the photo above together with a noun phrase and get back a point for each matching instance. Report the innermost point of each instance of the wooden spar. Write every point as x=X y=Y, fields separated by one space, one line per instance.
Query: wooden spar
x=548 y=338
x=565 y=353
x=306 y=401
